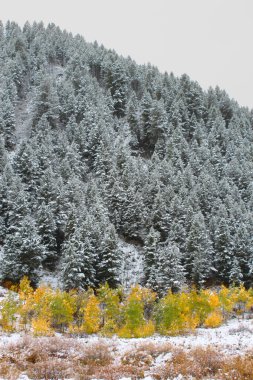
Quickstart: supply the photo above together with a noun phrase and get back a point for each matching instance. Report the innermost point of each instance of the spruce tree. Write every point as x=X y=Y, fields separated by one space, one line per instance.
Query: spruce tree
x=23 y=253
x=169 y=271
x=108 y=260
x=78 y=262
x=199 y=252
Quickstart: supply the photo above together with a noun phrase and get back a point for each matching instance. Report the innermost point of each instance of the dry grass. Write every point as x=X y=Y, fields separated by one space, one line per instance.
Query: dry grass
x=112 y=372
x=96 y=354
x=155 y=349
x=52 y=358
x=205 y=363
x=239 y=368
x=65 y=358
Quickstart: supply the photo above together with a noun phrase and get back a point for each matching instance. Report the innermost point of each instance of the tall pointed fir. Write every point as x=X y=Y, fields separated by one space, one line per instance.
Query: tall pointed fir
x=150 y=250
x=7 y=122
x=23 y=253
x=169 y=271
x=223 y=250
x=108 y=263
x=47 y=232
x=199 y=252
x=78 y=262
x=3 y=155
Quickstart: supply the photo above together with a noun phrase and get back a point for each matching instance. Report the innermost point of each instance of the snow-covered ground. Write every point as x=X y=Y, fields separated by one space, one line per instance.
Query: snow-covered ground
x=233 y=338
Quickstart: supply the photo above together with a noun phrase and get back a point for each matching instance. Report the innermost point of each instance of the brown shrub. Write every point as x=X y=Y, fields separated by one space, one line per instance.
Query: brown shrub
x=52 y=369
x=198 y=363
x=33 y=350
x=238 y=368
x=97 y=354
x=41 y=358
x=8 y=370
x=137 y=359
x=112 y=372
x=63 y=358
x=207 y=359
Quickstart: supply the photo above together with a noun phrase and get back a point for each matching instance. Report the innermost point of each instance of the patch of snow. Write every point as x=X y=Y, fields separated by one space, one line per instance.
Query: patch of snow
x=9 y=338
x=233 y=338
x=3 y=292
x=50 y=279
x=56 y=70
x=11 y=156
x=131 y=265
x=23 y=116
x=23 y=376
x=163 y=358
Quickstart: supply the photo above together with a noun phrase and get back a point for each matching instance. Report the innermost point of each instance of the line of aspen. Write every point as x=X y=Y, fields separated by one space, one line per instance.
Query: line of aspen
x=129 y=314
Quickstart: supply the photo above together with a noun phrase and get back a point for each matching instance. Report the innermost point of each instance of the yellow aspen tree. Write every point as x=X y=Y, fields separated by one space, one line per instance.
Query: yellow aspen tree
x=9 y=307
x=25 y=293
x=25 y=289
x=110 y=309
x=80 y=298
x=91 y=316
x=135 y=324
x=227 y=301
x=249 y=304
x=62 y=308
x=189 y=318
x=41 y=327
x=167 y=315
x=42 y=311
x=242 y=299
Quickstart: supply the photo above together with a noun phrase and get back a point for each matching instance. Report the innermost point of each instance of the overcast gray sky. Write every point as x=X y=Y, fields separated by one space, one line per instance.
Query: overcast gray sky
x=210 y=40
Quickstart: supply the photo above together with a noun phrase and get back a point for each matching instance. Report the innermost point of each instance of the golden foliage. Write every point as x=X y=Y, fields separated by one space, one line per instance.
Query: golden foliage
x=41 y=327
x=214 y=319
x=137 y=313
x=92 y=316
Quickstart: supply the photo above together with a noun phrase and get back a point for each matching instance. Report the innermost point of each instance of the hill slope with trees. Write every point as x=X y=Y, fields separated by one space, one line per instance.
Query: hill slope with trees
x=95 y=148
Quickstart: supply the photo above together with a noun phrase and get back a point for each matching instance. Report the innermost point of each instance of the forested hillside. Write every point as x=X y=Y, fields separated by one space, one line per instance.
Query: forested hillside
x=96 y=150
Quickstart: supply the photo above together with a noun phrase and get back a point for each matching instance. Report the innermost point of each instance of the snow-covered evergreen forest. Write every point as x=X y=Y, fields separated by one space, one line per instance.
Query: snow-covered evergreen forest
x=98 y=154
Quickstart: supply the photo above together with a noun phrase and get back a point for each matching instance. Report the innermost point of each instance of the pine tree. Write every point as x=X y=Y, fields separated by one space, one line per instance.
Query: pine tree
x=108 y=258
x=119 y=89
x=23 y=253
x=7 y=122
x=169 y=271
x=47 y=232
x=3 y=155
x=26 y=165
x=199 y=252
x=223 y=250
x=46 y=103
x=150 y=256
x=78 y=267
